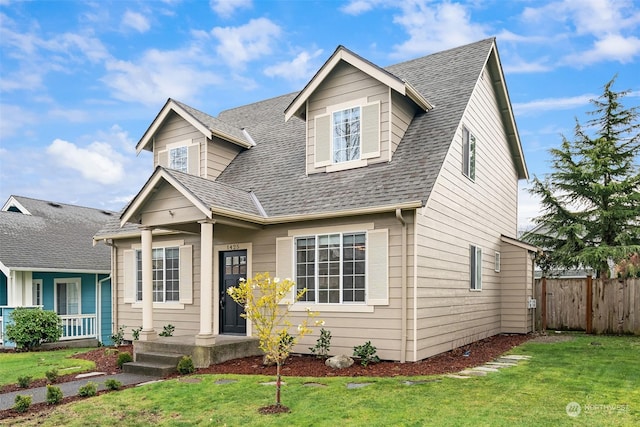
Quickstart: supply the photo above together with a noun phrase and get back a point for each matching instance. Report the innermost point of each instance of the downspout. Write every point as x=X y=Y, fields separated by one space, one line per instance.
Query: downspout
x=114 y=288
x=403 y=298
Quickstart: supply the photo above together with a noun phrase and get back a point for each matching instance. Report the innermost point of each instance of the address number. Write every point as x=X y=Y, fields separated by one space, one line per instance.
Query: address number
x=233 y=246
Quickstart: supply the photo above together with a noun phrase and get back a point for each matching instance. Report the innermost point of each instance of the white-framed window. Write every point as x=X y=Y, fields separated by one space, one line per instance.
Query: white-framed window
x=345 y=127
x=475 y=268
x=332 y=267
x=36 y=292
x=67 y=296
x=496 y=262
x=179 y=158
x=165 y=265
x=468 y=154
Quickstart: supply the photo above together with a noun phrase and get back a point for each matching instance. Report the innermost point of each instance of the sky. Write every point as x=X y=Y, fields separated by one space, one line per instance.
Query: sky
x=80 y=81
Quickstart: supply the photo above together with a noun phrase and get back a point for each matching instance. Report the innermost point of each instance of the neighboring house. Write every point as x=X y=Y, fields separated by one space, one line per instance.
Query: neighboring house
x=48 y=260
x=390 y=194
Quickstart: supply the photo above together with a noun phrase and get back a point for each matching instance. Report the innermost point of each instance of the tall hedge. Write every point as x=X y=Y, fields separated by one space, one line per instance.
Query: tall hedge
x=33 y=326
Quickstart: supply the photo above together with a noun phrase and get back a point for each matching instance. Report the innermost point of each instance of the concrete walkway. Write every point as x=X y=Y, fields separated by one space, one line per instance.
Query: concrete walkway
x=39 y=394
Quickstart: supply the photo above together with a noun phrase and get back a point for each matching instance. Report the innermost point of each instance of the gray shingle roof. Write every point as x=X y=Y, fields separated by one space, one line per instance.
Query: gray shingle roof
x=56 y=236
x=214 y=124
x=275 y=168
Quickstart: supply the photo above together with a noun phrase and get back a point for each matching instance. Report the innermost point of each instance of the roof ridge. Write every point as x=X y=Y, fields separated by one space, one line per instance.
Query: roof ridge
x=17 y=197
x=437 y=53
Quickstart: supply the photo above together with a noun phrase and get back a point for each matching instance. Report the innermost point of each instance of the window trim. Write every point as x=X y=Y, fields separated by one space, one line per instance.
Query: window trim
x=36 y=292
x=469 y=153
x=332 y=121
x=75 y=280
x=497 y=262
x=138 y=274
x=475 y=268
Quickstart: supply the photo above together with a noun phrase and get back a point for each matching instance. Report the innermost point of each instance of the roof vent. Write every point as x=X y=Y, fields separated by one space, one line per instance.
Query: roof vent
x=55 y=205
x=107 y=213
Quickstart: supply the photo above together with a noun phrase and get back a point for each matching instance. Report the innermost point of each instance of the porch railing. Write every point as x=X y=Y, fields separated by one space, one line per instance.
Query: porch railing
x=76 y=326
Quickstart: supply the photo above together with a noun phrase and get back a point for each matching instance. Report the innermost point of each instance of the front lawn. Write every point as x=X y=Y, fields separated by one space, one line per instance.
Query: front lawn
x=600 y=374
x=36 y=363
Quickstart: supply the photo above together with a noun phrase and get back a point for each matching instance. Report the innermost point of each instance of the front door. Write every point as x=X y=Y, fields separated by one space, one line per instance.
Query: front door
x=233 y=268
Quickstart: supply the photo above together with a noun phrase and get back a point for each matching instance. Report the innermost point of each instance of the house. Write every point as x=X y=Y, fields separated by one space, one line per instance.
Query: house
x=47 y=260
x=390 y=194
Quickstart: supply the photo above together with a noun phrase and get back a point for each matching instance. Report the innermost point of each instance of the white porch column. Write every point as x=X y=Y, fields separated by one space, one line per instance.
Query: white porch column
x=206 y=337
x=147 y=333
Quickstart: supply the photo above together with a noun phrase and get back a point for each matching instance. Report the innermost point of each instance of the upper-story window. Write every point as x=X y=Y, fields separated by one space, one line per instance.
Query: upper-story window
x=468 y=154
x=346 y=135
x=179 y=159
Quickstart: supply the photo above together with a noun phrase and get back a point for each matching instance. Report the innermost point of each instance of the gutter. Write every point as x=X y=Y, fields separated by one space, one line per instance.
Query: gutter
x=403 y=297
x=114 y=280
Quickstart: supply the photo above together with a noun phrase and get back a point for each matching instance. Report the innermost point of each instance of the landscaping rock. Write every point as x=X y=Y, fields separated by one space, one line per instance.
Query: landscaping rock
x=339 y=362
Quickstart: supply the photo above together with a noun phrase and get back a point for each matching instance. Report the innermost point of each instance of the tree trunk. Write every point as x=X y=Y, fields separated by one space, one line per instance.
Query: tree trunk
x=278 y=383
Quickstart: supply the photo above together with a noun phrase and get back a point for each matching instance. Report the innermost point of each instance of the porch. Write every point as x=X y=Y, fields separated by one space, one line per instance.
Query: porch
x=160 y=356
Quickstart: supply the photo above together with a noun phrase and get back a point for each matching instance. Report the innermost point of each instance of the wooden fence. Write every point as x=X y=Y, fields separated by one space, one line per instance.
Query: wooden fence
x=601 y=306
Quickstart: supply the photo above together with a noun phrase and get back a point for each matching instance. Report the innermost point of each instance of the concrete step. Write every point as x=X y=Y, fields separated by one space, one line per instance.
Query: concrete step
x=149 y=369
x=158 y=358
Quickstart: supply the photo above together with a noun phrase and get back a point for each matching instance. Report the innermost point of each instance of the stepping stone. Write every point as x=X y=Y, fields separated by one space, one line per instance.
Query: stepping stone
x=223 y=381
x=473 y=373
x=408 y=382
x=485 y=369
x=500 y=364
x=357 y=385
x=516 y=357
x=461 y=377
x=190 y=380
x=89 y=374
x=511 y=362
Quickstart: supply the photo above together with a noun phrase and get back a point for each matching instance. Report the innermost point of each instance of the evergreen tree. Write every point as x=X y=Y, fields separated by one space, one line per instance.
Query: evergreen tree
x=591 y=199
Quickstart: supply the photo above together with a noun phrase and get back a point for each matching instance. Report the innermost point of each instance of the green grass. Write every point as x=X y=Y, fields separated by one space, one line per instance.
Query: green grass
x=36 y=363
x=604 y=379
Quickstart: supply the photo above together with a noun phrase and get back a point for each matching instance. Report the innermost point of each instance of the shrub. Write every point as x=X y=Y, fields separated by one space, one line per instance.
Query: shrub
x=136 y=333
x=123 y=358
x=22 y=403
x=33 y=326
x=52 y=375
x=118 y=337
x=88 y=390
x=112 y=384
x=323 y=344
x=167 y=330
x=54 y=395
x=185 y=365
x=24 y=382
x=366 y=353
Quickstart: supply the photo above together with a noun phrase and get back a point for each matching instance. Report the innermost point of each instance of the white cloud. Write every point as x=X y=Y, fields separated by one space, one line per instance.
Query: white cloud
x=299 y=68
x=612 y=47
x=70 y=115
x=136 y=20
x=159 y=75
x=549 y=104
x=13 y=118
x=226 y=8
x=239 y=45
x=521 y=66
x=358 y=7
x=98 y=162
x=528 y=207
x=435 y=27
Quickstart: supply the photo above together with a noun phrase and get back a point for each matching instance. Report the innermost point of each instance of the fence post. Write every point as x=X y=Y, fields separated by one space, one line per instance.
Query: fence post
x=543 y=303
x=589 y=310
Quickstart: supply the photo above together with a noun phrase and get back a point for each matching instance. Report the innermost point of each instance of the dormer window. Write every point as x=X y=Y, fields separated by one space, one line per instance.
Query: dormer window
x=346 y=135
x=178 y=159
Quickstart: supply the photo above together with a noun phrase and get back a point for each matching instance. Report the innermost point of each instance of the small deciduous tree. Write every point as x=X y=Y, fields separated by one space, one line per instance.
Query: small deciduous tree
x=261 y=297
x=33 y=326
x=591 y=199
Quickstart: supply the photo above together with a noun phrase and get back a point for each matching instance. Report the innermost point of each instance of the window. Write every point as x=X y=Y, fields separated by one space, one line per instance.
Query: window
x=468 y=154
x=67 y=296
x=496 y=262
x=178 y=159
x=331 y=267
x=475 y=270
x=36 y=292
x=346 y=135
x=165 y=266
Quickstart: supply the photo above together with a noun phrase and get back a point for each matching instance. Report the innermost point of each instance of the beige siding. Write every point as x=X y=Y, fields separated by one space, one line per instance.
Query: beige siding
x=402 y=112
x=169 y=206
x=461 y=213
x=219 y=155
x=382 y=326
x=517 y=278
x=346 y=83
x=176 y=129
